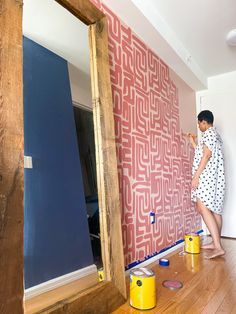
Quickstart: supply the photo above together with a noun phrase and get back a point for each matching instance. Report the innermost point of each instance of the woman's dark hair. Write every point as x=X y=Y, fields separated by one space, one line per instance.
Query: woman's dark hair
x=207 y=116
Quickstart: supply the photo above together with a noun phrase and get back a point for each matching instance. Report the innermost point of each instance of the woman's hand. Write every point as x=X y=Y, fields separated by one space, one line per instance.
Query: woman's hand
x=195 y=182
x=192 y=138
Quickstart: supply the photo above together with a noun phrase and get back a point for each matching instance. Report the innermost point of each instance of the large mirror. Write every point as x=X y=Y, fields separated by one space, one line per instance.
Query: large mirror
x=61 y=230
x=60 y=215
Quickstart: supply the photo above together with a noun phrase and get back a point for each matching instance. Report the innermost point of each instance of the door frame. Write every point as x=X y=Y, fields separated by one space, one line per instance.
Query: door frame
x=111 y=293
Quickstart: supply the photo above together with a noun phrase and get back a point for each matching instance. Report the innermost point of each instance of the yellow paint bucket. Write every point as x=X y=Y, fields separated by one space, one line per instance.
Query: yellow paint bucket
x=192 y=243
x=101 y=274
x=142 y=289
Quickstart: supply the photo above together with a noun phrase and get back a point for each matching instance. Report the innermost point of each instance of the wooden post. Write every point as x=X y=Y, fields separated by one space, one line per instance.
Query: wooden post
x=11 y=158
x=108 y=188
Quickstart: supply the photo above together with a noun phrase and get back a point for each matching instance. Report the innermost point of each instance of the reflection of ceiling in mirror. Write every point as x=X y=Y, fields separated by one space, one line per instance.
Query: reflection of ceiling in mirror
x=50 y=25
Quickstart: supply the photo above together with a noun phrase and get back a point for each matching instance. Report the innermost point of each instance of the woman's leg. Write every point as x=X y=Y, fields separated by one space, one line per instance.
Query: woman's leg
x=218 y=219
x=212 y=226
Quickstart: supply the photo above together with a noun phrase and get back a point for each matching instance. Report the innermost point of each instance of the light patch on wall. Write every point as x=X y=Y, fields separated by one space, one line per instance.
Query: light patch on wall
x=80 y=84
x=187 y=105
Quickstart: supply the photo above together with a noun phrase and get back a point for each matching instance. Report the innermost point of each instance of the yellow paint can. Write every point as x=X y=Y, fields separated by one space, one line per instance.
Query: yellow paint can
x=142 y=289
x=192 y=243
x=101 y=274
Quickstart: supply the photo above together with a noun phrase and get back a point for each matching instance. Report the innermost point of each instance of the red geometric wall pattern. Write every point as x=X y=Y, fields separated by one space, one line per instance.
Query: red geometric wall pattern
x=154 y=159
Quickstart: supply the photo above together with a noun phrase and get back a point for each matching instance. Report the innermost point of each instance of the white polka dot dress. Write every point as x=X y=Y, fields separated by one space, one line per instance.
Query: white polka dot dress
x=211 y=188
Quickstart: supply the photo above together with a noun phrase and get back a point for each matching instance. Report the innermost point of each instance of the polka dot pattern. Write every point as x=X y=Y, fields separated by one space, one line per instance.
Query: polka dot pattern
x=211 y=188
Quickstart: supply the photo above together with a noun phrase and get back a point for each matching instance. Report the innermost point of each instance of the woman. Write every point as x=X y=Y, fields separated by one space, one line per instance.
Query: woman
x=208 y=181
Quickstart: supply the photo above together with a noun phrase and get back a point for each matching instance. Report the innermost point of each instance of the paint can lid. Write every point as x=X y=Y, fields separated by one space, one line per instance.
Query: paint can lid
x=142 y=272
x=172 y=284
x=192 y=235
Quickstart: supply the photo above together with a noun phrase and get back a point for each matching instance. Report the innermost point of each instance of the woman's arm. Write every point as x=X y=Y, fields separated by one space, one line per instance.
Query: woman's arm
x=205 y=158
x=192 y=139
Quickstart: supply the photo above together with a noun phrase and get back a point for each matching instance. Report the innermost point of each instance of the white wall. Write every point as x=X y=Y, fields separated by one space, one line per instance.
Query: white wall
x=220 y=98
x=80 y=84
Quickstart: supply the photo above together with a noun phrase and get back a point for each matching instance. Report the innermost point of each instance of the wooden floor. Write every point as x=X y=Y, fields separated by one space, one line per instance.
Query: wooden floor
x=49 y=298
x=209 y=286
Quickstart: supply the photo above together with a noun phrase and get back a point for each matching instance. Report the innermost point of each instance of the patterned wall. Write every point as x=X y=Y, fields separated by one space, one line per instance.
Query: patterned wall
x=154 y=159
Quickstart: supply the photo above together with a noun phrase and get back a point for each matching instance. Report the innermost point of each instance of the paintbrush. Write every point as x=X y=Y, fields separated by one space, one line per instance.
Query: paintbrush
x=194 y=136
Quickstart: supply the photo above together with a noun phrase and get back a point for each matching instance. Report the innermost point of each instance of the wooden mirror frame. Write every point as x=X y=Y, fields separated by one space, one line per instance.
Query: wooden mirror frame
x=105 y=296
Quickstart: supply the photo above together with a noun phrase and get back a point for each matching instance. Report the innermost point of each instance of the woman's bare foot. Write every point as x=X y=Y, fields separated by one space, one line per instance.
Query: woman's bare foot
x=215 y=253
x=208 y=246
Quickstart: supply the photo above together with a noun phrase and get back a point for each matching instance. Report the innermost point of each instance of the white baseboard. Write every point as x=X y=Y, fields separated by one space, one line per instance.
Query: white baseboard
x=59 y=281
x=156 y=257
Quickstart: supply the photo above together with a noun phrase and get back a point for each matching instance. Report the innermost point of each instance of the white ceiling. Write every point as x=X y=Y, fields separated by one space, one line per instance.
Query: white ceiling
x=202 y=26
x=189 y=35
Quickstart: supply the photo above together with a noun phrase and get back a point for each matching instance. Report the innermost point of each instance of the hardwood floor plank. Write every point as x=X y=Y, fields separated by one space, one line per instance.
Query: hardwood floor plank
x=229 y=302
x=214 y=282
x=233 y=310
x=38 y=303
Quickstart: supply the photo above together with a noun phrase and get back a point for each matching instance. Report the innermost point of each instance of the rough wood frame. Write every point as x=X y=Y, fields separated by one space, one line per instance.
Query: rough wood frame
x=11 y=164
x=11 y=158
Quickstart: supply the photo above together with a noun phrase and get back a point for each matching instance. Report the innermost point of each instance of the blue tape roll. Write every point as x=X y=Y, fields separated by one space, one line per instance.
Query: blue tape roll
x=164 y=262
